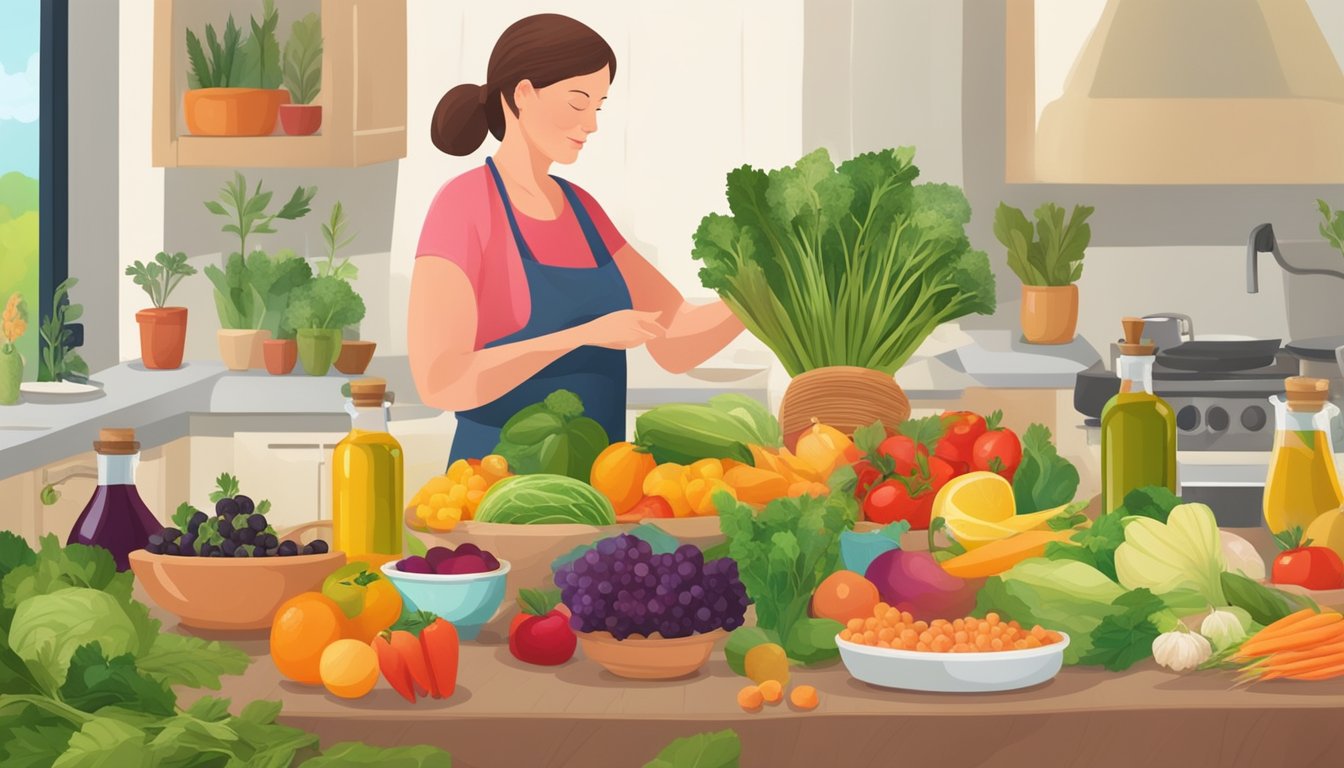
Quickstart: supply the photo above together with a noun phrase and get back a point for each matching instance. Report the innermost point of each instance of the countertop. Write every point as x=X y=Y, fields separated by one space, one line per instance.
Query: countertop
x=580 y=715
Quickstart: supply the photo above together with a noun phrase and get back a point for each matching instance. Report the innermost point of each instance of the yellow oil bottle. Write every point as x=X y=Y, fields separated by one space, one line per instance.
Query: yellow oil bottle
x=1138 y=428
x=366 y=476
x=1302 y=482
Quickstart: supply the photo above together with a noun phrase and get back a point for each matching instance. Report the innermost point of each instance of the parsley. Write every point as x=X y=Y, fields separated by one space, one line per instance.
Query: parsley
x=1125 y=638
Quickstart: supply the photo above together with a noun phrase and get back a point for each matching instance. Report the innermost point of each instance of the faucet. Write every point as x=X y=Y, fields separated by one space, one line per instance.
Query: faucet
x=1262 y=240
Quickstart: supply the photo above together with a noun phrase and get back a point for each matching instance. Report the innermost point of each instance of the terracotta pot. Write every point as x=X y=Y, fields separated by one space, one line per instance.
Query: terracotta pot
x=241 y=349
x=163 y=335
x=300 y=119
x=318 y=348
x=355 y=356
x=1049 y=313
x=650 y=658
x=844 y=397
x=280 y=354
x=233 y=111
x=189 y=586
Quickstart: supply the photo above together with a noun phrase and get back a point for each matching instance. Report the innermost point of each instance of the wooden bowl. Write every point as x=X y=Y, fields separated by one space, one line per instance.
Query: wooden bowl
x=229 y=593
x=649 y=658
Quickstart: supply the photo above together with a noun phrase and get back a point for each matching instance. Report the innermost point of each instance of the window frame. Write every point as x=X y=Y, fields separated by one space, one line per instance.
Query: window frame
x=54 y=162
x=1127 y=215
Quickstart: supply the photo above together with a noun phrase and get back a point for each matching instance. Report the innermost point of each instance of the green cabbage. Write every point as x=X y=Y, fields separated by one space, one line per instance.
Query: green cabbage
x=544 y=499
x=1185 y=553
x=47 y=629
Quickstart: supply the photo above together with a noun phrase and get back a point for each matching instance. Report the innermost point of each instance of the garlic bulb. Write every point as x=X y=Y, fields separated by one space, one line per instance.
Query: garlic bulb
x=1181 y=650
x=1241 y=556
x=1223 y=628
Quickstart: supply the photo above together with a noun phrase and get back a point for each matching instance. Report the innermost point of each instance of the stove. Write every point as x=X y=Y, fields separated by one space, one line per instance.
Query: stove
x=1215 y=411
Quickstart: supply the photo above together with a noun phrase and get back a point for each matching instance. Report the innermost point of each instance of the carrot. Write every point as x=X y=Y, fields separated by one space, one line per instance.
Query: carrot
x=1289 y=669
x=1324 y=673
x=998 y=556
x=1289 y=657
x=1287 y=623
x=1310 y=632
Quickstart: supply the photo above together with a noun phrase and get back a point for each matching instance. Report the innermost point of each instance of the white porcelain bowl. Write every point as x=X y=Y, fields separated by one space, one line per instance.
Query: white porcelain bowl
x=953 y=672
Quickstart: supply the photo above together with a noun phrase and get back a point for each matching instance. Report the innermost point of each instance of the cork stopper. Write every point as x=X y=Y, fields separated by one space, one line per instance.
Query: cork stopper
x=116 y=442
x=1134 y=344
x=1306 y=394
x=368 y=393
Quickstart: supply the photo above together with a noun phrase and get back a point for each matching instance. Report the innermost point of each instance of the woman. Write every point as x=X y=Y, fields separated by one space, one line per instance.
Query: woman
x=522 y=285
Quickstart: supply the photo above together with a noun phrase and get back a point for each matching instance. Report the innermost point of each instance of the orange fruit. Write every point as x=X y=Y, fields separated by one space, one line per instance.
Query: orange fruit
x=349 y=668
x=844 y=595
x=302 y=629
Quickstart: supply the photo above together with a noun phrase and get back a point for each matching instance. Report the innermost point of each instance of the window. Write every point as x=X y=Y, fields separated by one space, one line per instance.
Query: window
x=32 y=159
x=1184 y=123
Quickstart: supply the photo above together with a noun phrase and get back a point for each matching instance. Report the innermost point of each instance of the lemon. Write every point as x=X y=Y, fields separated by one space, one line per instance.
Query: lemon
x=976 y=507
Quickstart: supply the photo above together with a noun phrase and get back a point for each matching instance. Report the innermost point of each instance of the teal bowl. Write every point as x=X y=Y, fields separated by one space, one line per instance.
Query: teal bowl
x=468 y=600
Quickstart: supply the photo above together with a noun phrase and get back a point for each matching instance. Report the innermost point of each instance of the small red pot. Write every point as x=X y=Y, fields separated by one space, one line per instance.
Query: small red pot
x=280 y=355
x=300 y=119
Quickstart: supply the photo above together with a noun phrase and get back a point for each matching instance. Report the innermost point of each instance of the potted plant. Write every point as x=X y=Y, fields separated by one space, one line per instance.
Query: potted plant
x=356 y=353
x=1049 y=263
x=163 y=330
x=303 y=77
x=275 y=279
x=13 y=324
x=843 y=272
x=240 y=302
x=318 y=311
x=234 y=87
x=58 y=360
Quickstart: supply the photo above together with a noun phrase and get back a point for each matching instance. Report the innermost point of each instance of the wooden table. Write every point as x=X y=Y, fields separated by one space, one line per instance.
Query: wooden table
x=579 y=716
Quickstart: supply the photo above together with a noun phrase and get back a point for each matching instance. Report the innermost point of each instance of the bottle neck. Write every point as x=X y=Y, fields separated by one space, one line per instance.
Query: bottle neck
x=117 y=470
x=368 y=419
x=1136 y=374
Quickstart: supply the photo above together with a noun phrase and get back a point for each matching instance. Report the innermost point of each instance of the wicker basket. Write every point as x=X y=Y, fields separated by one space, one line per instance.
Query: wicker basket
x=841 y=396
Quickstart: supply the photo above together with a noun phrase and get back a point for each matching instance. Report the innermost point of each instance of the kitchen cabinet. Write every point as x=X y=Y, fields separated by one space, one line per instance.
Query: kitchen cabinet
x=363 y=95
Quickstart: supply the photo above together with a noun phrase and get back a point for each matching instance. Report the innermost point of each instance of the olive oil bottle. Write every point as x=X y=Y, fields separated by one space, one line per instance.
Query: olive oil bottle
x=1138 y=428
x=1302 y=482
x=366 y=475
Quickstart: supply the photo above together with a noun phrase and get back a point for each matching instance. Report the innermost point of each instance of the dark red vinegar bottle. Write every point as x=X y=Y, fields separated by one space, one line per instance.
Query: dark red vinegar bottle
x=115 y=518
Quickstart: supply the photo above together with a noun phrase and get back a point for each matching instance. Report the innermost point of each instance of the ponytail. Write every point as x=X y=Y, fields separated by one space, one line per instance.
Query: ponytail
x=460 y=125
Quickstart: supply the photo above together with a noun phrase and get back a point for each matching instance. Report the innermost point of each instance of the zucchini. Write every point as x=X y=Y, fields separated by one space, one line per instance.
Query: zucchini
x=686 y=433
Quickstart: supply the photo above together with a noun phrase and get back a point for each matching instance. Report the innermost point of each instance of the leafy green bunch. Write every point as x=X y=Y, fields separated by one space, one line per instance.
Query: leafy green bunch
x=334 y=235
x=783 y=553
x=235 y=61
x=303 y=59
x=88 y=678
x=248 y=212
x=849 y=265
x=160 y=276
x=325 y=302
x=59 y=359
x=1053 y=254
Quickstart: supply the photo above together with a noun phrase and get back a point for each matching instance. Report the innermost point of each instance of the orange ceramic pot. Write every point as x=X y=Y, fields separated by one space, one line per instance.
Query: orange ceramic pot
x=1049 y=313
x=280 y=355
x=233 y=111
x=163 y=335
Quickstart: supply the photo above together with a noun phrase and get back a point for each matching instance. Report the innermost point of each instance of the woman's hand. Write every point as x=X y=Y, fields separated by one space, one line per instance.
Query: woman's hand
x=625 y=329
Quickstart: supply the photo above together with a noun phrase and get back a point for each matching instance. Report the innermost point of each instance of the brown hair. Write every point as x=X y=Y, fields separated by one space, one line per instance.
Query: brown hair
x=542 y=49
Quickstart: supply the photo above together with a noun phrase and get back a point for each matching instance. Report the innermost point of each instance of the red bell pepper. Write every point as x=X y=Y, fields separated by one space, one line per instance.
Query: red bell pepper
x=440 y=644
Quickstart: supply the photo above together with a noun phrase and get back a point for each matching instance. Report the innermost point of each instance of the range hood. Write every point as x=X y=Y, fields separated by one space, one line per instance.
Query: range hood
x=1198 y=92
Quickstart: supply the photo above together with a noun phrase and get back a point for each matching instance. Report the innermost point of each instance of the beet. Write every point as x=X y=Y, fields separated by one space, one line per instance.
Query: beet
x=461 y=564
x=467 y=548
x=915 y=582
x=414 y=564
x=437 y=555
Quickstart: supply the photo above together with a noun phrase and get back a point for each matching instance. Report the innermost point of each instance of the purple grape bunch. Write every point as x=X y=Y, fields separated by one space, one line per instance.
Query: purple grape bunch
x=620 y=586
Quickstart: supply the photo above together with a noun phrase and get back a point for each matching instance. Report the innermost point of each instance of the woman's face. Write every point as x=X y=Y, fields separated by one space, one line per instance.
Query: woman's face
x=558 y=119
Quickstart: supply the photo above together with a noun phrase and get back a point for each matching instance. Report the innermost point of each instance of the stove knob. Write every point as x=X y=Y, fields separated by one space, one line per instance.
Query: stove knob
x=1254 y=418
x=1187 y=419
x=1218 y=419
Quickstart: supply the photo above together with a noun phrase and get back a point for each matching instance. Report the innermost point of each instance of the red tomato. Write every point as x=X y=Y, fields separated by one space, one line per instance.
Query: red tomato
x=961 y=429
x=909 y=498
x=1310 y=567
x=902 y=450
x=543 y=640
x=868 y=477
x=997 y=451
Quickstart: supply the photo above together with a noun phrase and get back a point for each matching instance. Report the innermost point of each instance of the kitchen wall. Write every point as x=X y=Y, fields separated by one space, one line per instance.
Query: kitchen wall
x=701 y=87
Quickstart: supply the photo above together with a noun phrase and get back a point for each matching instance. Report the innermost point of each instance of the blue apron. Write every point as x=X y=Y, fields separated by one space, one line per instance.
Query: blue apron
x=562 y=297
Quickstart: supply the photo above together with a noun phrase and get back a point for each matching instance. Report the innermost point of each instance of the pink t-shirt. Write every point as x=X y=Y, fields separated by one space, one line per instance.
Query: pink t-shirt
x=467 y=225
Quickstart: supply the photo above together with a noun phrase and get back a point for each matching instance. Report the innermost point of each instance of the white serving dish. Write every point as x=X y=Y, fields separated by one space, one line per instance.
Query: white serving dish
x=58 y=391
x=953 y=672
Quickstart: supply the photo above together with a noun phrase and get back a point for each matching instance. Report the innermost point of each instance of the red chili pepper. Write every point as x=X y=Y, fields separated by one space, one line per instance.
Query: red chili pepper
x=440 y=643
x=412 y=653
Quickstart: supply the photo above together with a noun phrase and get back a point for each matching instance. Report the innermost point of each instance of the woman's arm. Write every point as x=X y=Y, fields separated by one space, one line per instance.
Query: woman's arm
x=695 y=332
x=451 y=374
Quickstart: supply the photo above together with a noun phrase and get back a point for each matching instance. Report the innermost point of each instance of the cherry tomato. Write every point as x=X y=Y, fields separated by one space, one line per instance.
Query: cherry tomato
x=997 y=451
x=908 y=498
x=1310 y=567
x=961 y=429
x=868 y=476
x=902 y=450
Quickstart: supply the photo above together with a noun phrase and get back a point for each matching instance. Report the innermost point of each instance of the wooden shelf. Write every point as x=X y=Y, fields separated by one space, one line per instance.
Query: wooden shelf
x=363 y=94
